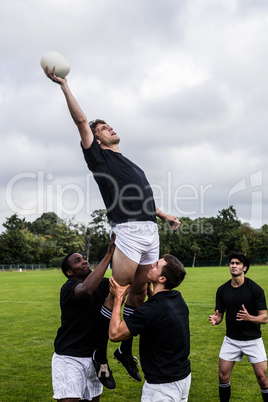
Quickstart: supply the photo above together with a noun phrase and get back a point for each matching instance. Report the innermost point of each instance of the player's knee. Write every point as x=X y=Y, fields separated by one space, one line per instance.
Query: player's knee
x=262 y=379
x=136 y=299
x=224 y=377
x=141 y=297
x=109 y=302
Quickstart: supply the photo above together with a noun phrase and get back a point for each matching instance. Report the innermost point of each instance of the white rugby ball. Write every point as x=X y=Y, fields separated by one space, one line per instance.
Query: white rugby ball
x=55 y=59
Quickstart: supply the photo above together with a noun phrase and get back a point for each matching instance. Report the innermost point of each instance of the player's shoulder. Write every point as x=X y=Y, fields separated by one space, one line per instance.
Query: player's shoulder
x=67 y=289
x=252 y=284
x=70 y=283
x=165 y=298
x=93 y=146
x=176 y=294
x=225 y=285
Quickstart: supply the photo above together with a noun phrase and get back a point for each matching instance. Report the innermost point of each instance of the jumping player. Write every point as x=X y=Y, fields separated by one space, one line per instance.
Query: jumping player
x=131 y=211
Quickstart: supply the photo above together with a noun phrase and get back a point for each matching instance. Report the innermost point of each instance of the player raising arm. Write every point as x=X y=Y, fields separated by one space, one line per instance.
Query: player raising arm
x=131 y=212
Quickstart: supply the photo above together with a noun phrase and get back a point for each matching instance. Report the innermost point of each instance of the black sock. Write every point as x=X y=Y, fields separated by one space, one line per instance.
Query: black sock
x=264 y=392
x=126 y=346
x=102 y=335
x=225 y=392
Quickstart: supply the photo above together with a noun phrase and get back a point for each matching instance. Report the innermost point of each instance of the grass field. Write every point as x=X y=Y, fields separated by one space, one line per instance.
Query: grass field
x=30 y=317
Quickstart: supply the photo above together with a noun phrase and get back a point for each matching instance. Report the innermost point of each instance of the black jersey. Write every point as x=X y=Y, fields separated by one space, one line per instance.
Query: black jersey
x=124 y=187
x=76 y=336
x=229 y=299
x=163 y=324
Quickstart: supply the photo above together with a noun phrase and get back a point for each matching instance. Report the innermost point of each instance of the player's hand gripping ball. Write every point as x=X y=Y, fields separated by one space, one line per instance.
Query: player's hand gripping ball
x=55 y=59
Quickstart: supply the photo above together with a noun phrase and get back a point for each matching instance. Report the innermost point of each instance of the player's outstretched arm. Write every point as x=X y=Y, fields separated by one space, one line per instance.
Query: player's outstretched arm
x=173 y=221
x=216 y=318
x=76 y=112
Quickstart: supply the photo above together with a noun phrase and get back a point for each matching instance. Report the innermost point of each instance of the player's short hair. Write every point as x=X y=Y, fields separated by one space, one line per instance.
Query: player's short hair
x=65 y=265
x=241 y=257
x=173 y=271
x=93 y=124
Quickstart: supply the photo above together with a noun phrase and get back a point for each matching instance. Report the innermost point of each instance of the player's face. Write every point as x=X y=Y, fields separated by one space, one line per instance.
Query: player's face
x=156 y=271
x=237 y=268
x=106 y=135
x=79 y=267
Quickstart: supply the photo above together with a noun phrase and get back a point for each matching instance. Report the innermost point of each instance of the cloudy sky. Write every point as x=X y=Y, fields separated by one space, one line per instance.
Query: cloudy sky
x=183 y=83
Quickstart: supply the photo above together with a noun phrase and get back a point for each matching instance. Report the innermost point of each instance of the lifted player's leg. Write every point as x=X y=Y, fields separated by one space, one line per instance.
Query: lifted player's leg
x=123 y=270
x=136 y=296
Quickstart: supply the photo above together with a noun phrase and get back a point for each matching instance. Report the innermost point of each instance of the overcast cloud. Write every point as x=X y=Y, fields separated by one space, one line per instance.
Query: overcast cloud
x=183 y=83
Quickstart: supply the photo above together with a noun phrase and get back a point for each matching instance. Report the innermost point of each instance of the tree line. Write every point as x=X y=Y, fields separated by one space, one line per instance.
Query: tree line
x=197 y=241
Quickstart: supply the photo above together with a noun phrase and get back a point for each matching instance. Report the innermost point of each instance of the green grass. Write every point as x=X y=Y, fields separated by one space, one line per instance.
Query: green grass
x=30 y=317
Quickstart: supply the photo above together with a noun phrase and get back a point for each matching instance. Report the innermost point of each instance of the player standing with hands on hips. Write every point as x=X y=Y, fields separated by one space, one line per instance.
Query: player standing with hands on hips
x=245 y=306
x=131 y=212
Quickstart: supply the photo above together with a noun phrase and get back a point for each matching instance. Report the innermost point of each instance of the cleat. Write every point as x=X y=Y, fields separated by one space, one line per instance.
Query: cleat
x=130 y=363
x=104 y=373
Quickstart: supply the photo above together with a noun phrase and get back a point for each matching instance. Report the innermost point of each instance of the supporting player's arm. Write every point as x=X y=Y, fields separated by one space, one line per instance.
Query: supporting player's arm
x=118 y=330
x=173 y=221
x=243 y=315
x=93 y=280
x=76 y=112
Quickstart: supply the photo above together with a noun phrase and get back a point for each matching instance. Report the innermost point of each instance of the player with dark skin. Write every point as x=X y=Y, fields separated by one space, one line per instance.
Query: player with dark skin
x=81 y=297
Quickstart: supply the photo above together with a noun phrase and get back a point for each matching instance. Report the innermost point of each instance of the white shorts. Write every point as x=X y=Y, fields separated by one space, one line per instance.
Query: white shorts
x=139 y=241
x=177 y=391
x=74 y=377
x=233 y=350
